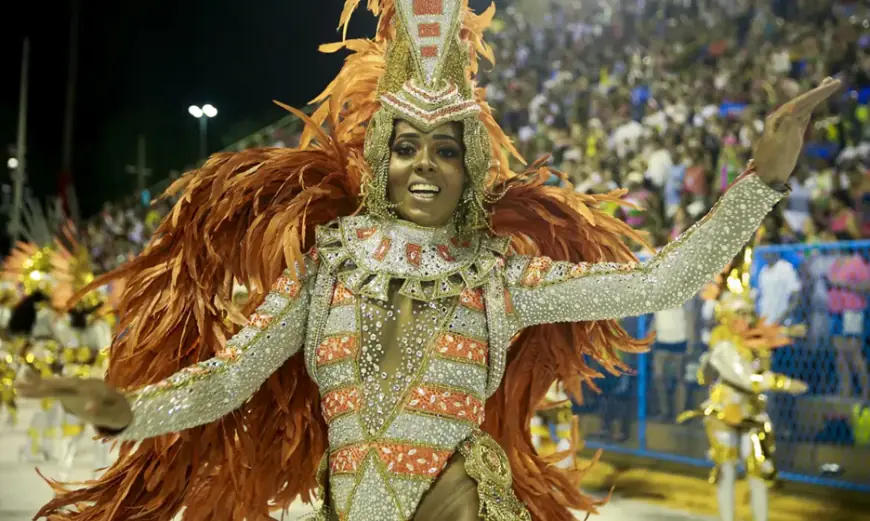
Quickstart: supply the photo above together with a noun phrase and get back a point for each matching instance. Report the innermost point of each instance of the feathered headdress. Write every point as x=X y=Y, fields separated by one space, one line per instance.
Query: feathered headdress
x=246 y=216
x=73 y=270
x=734 y=297
x=29 y=262
x=29 y=266
x=732 y=289
x=420 y=68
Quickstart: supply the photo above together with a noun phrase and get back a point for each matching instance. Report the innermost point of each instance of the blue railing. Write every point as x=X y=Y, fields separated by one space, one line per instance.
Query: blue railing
x=821 y=437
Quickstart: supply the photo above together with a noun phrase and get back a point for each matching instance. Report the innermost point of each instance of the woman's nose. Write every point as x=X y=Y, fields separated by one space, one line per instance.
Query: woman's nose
x=424 y=163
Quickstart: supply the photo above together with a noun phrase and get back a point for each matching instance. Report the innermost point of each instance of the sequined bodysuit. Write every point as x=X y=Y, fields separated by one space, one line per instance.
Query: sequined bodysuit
x=406 y=332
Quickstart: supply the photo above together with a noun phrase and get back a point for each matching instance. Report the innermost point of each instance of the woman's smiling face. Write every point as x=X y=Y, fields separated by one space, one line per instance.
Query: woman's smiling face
x=426 y=173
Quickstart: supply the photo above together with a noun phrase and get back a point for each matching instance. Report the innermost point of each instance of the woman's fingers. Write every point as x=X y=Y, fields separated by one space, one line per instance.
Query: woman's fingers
x=34 y=386
x=29 y=390
x=806 y=103
x=798 y=111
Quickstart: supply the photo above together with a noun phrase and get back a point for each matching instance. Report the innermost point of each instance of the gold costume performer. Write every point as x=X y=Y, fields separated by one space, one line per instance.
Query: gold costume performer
x=9 y=359
x=34 y=337
x=737 y=368
x=411 y=302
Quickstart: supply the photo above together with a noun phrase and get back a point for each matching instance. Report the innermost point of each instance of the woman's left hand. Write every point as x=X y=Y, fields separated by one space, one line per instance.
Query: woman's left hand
x=780 y=145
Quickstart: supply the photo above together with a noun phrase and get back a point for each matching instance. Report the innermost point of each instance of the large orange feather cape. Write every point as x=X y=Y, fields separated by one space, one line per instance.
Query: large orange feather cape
x=248 y=215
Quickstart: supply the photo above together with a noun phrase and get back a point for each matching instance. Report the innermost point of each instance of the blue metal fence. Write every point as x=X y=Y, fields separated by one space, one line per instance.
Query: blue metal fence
x=823 y=436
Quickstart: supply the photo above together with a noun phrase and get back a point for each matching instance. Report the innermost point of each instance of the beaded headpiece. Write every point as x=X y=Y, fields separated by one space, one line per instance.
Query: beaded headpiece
x=73 y=270
x=427 y=82
x=737 y=294
x=29 y=266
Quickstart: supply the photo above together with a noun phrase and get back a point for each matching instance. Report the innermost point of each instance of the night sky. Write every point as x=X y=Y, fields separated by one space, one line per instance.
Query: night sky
x=141 y=64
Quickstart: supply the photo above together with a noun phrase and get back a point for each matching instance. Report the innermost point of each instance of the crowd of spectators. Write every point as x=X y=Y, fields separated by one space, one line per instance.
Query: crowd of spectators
x=663 y=98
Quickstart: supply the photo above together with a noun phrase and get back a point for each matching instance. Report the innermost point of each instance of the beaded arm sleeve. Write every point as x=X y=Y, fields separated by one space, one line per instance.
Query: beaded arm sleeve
x=208 y=390
x=544 y=291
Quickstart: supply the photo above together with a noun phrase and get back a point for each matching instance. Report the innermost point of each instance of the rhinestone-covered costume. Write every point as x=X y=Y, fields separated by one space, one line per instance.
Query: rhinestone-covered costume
x=396 y=368
x=406 y=332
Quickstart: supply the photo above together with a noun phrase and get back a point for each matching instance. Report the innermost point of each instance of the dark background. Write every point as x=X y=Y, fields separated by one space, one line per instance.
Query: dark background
x=141 y=64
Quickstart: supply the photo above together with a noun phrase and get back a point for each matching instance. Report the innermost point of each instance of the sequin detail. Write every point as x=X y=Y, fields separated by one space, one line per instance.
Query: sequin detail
x=472 y=299
x=397 y=458
x=342 y=296
x=365 y=268
x=213 y=388
x=340 y=402
x=487 y=464
x=446 y=402
x=461 y=348
x=286 y=287
x=336 y=348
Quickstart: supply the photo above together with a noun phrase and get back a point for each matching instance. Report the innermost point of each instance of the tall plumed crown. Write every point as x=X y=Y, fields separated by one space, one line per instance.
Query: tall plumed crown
x=427 y=82
x=29 y=266
x=72 y=269
x=29 y=263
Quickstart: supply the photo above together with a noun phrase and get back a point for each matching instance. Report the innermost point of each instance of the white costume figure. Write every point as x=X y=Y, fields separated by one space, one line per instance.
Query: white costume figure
x=40 y=344
x=556 y=409
x=85 y=357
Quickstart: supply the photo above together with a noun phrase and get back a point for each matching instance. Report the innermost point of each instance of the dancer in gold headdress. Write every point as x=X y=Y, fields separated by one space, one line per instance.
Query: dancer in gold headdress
x=737 y=368
x=416 y=298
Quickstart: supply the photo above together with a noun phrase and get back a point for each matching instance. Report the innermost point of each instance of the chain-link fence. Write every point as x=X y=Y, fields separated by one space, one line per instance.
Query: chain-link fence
x=823 y=436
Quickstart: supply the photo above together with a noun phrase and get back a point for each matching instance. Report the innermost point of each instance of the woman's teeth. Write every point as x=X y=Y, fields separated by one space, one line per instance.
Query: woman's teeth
x=424 y=191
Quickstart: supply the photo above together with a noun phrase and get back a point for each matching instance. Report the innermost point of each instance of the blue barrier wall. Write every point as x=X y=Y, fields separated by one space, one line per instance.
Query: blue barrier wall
x=823 y=436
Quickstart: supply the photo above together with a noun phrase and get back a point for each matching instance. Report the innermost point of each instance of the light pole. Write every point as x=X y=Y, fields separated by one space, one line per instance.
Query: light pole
x=203 y=115
x=20 y=149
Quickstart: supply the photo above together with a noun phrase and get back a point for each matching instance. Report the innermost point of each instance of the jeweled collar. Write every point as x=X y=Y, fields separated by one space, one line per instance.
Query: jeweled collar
x=368 y=253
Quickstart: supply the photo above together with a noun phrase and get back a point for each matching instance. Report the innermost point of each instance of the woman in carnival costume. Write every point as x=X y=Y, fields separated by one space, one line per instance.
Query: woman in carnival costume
x=735 y=415
x=423 y=300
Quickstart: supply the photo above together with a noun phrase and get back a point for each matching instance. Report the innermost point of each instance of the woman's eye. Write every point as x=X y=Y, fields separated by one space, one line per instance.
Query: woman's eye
x=448 y=152
x=404 y=149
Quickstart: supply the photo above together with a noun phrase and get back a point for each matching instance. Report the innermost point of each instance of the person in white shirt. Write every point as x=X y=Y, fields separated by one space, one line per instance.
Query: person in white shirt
x=779 y=289
x=659 y=163
x=780 y=62
x=625 y=137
